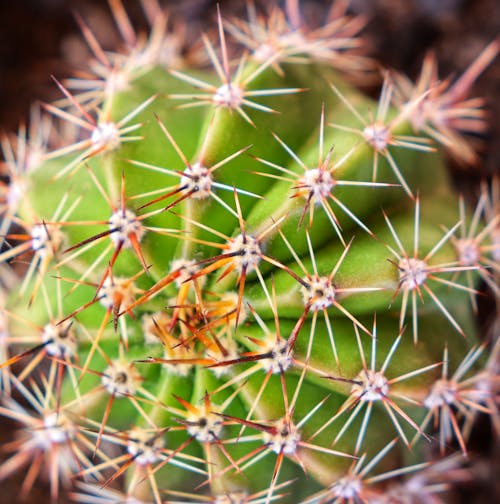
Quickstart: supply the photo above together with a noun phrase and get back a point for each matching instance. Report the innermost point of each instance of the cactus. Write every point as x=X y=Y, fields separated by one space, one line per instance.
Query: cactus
x=245 y=281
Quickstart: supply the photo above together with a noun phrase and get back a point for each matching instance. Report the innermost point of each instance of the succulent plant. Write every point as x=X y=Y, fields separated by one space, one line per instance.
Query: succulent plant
x=245 y=281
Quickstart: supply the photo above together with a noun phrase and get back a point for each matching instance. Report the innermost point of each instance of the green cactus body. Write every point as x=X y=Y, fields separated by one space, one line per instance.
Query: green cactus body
x=225 y=297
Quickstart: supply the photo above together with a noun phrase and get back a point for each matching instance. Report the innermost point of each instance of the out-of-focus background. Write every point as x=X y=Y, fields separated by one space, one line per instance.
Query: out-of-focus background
x=39 y=38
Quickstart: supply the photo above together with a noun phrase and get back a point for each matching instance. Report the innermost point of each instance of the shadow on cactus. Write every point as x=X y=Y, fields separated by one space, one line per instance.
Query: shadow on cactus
x=244 y=281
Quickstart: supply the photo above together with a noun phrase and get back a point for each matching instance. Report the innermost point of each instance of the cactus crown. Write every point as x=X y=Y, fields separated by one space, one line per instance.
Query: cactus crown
x=246 y=282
